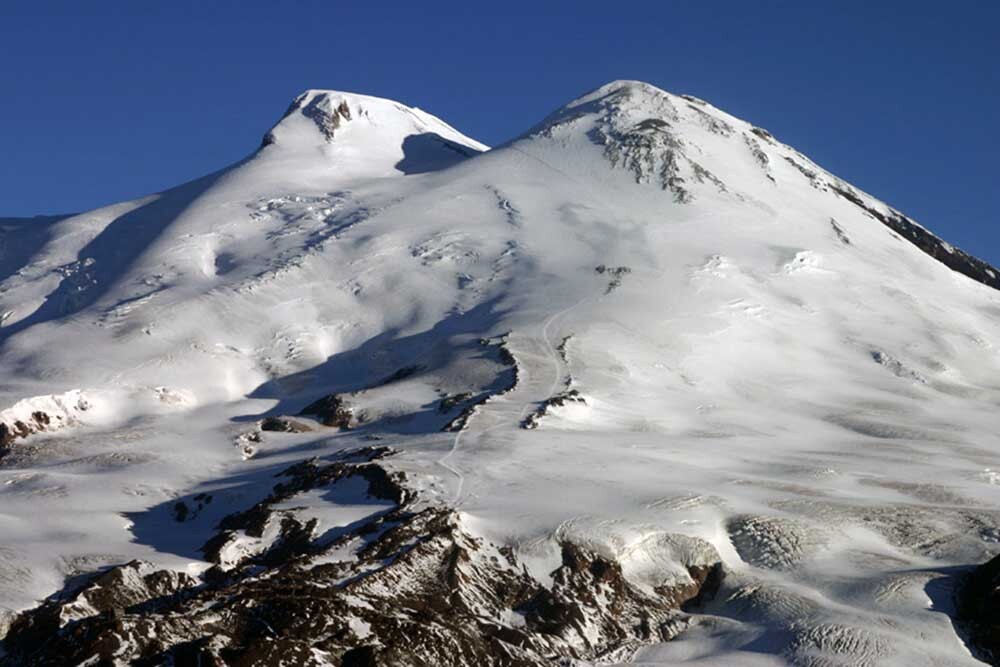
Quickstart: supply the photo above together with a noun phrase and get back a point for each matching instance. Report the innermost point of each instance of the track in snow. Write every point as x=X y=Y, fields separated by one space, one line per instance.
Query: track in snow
x=556 y=379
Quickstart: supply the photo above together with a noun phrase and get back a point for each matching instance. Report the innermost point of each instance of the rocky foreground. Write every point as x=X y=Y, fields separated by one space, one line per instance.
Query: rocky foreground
x=979 y=611
x=407 y=586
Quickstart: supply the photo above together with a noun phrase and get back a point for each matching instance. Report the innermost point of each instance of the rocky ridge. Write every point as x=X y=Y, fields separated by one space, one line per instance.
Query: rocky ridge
x=406 y=585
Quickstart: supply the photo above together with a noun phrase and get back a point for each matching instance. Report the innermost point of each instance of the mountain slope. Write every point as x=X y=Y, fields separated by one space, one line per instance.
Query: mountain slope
x=642 y=324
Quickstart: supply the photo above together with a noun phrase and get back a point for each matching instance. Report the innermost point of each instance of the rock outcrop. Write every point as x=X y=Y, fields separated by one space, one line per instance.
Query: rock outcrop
x=331 y=410
x=559 y=400
x=283 y=425
x=979 y=610
x=407 y=585
x=952 y=257
x=40 y=413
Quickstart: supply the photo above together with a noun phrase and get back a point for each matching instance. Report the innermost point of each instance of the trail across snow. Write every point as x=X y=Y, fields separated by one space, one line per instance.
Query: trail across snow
x=555 y=362
x=443 y=461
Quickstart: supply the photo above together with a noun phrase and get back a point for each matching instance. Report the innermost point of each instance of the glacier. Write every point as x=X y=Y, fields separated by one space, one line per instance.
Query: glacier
x=698 y=399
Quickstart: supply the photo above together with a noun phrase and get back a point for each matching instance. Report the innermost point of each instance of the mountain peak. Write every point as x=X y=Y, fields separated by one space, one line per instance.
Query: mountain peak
x=368 y=134
x=637 y=357
x=613 y=98
x=690 y=149
x=655 y=135
x=622 y=88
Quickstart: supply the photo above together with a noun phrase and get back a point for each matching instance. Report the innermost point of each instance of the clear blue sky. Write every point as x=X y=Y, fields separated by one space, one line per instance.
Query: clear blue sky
x=108 y=101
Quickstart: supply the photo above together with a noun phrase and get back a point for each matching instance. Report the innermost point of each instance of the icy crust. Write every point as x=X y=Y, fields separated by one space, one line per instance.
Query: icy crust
x=405 y=583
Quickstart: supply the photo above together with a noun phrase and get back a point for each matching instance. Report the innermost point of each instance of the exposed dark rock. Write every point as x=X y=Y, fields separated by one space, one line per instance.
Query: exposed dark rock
x=247 y=443
x=319 y=110
x=705 y=584
x=326 y=117
x=360 y=656
x=462 y=420
x=331 y=410
x=979 y=610
x=616 y=273
x=507 y=358
x=898 y=368
x=407 y=586
x=563 y=348
x=950 y=256
x=7 y=436
x=813 y=176
x=711 y=123
x=559 y=400
x=759 y=156
x=283 y=425
x=839 y=231
x=180 y=511
x=649 y=149
x=39 y=421
x=702 y=175
x=184 y=512
x=449 y=403
x=763 y=134
x=652 y=124
x=91 y=621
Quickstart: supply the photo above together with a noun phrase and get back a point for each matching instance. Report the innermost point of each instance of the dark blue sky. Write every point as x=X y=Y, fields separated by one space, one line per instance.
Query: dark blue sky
x=108 y=101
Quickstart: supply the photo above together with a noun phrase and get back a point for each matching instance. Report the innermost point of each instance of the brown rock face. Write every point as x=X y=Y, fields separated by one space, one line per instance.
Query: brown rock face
x=331 y=410
x=283 y=425
x=39 y=421
x=134 y=590
x=408 y=585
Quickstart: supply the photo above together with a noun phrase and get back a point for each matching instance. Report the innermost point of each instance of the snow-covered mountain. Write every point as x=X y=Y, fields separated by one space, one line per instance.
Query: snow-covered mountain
x=379 y=394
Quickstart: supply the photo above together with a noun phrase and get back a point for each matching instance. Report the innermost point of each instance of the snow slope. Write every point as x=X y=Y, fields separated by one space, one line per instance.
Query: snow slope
x=712 y=337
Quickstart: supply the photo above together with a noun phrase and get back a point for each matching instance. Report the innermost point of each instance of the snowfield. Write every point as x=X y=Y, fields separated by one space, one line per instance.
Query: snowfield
x=645 y=328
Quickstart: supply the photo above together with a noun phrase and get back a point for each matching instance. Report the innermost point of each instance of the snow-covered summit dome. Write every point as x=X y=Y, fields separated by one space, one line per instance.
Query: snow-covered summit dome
x=368 y=134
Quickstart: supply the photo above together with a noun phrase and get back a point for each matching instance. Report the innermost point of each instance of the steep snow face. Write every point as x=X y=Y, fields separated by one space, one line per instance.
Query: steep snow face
x=642 y=321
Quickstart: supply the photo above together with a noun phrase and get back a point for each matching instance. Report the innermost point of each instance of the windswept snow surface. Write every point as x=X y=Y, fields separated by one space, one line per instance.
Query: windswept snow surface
x=772 y=370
